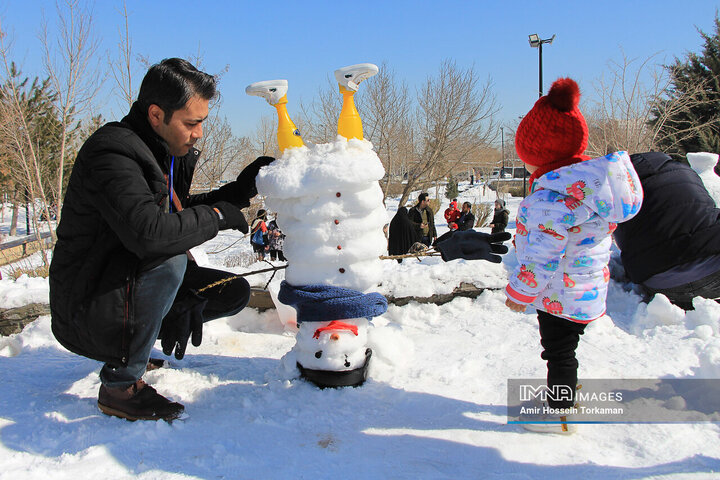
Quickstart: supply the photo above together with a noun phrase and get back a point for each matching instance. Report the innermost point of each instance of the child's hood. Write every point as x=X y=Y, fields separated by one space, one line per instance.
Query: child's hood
x=607 y=185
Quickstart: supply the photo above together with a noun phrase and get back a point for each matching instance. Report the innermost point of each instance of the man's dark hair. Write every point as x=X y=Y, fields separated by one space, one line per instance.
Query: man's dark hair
x=171 y=83
x=467 y=204
x=422 y=197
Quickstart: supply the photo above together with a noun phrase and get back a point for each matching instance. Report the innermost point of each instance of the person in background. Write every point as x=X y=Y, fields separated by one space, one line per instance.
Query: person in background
x=423 y=216
x=276 y=239
x=258 y=235
x=452 y=214
x=500 y=217
x=120 y=275
x=466 y=220
x=672 y=246
x=563 y=236
x=402 y=233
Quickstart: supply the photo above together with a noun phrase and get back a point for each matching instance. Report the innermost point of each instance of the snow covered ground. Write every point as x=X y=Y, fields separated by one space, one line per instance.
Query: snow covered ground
x=433 y=407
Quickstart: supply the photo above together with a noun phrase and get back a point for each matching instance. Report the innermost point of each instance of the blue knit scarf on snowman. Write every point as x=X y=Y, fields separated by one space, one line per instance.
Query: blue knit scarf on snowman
x=321 y=303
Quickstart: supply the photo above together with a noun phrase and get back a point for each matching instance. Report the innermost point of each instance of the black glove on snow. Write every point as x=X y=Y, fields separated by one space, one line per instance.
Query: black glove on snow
x=472 y=245
x=246 y=179
x=232 y=217
x=184 y=319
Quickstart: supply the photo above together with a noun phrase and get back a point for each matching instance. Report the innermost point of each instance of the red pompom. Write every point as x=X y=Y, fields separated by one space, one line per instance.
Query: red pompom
x=564 y=95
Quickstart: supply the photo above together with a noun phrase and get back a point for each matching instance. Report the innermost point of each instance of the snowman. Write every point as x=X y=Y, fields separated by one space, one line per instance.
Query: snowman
x=329 y=204
x=704 y=163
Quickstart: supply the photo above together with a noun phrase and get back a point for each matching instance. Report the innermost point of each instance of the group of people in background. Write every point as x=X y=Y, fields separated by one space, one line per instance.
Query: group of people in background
x=417 y=224
x=266 y=238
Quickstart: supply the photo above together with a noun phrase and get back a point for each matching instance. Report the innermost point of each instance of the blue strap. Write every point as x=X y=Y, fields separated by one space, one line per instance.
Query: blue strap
x=170 y=181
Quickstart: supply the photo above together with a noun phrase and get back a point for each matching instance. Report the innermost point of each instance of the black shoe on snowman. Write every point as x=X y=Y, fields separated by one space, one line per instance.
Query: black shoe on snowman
x=333 y=354
x=331 y=344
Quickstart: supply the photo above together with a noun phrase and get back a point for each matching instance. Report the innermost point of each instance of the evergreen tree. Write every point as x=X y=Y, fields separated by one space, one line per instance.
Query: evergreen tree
x=33 y=102
x=451 y=190
x=688 y=119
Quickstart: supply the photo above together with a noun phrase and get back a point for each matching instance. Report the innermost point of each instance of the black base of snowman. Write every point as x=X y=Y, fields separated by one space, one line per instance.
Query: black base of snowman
x=336 y=379
x=331 y=346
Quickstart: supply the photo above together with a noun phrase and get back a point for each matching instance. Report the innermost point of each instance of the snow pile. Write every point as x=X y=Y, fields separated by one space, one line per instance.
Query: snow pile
x=24 y=290
x=329 y=205
x=434 y=405
x=704 y=163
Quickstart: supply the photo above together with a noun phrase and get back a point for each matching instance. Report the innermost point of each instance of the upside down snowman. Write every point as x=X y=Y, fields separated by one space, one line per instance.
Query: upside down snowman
x=329 y=204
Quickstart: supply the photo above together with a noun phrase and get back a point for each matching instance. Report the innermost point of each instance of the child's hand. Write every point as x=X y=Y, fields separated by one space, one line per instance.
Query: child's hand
x=515 y=307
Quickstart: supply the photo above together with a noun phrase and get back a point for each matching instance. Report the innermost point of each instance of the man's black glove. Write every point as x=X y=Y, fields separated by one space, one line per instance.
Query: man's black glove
x=472 y=245
x=231 y=217
x=184 y=319
x=246 y=179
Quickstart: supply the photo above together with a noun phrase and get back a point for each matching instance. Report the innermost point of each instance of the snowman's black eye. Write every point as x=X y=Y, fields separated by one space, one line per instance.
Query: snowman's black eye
x=318 y=354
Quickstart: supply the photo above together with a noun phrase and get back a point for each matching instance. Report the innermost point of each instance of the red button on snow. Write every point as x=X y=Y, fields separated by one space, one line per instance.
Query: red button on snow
x=337 y=194
x=339 y=247
x=337 y=221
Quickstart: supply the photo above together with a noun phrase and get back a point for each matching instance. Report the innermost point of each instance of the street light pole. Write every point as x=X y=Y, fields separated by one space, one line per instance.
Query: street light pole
x=537 y=42
x=502 y=146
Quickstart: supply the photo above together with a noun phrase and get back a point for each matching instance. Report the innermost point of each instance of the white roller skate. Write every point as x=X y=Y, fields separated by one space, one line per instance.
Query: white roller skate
x=271 y=90
x=351 y=76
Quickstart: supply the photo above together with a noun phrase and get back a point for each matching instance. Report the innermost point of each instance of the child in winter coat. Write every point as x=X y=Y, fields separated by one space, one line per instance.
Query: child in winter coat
x=277 y=241
x=500 y=218
x=452 y=214
x=564 y=230
x=258 y=225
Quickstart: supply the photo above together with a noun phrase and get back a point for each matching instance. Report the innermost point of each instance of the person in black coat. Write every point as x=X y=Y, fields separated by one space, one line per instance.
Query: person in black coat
x=423 y=216
x=500 y=217
x=402 y=233
x=465 y=222
x=120 y=276
x=672 y=246
x=467 y=219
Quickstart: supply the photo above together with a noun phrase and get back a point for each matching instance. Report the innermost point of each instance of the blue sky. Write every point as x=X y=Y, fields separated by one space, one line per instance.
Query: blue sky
x=305 y=41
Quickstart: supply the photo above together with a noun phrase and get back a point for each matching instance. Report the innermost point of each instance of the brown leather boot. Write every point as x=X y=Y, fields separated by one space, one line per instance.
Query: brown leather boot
x=139 y=401
x=154 y=364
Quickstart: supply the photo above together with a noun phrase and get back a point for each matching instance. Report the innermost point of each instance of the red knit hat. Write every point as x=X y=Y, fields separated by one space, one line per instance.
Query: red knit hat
x=554 y=133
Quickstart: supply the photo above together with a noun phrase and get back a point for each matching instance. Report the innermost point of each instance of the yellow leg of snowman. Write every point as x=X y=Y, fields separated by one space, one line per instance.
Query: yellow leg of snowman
x=275 y=92
x=348 y=78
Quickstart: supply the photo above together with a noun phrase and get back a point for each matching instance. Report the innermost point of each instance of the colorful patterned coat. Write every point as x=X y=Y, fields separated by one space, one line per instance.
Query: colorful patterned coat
x=563 y=236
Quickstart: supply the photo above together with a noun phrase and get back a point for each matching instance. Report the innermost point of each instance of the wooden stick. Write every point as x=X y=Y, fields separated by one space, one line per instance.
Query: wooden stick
x=235 y=277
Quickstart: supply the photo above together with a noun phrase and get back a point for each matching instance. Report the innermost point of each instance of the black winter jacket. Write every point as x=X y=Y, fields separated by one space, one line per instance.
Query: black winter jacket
x=416 y=218
x=500 y=220
x=115 y=223
x=466 y=221
x=677 y=223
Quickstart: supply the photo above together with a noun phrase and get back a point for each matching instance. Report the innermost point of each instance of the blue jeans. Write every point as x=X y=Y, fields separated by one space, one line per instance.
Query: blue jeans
x=154 y=293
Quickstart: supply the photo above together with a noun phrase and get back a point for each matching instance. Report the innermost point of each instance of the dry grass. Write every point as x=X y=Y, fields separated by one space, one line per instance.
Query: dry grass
x=483 y=213
x=21 y=268
x=244 y=259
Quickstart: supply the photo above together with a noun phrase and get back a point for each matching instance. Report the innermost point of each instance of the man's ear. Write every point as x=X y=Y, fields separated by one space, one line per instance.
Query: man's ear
x=155 y=115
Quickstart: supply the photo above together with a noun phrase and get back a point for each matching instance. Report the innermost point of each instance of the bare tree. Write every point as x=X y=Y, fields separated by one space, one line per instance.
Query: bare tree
x=72 y=64
x=455 y=115
x=21 y=147
x=319 y=119
x=121 y=68
x=386 y=111
x=264 y=140
x=222 y=153
x=618 y=117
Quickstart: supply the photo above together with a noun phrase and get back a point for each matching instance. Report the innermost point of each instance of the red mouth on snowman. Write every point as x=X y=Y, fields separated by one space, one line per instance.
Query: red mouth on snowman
x=336 y=325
